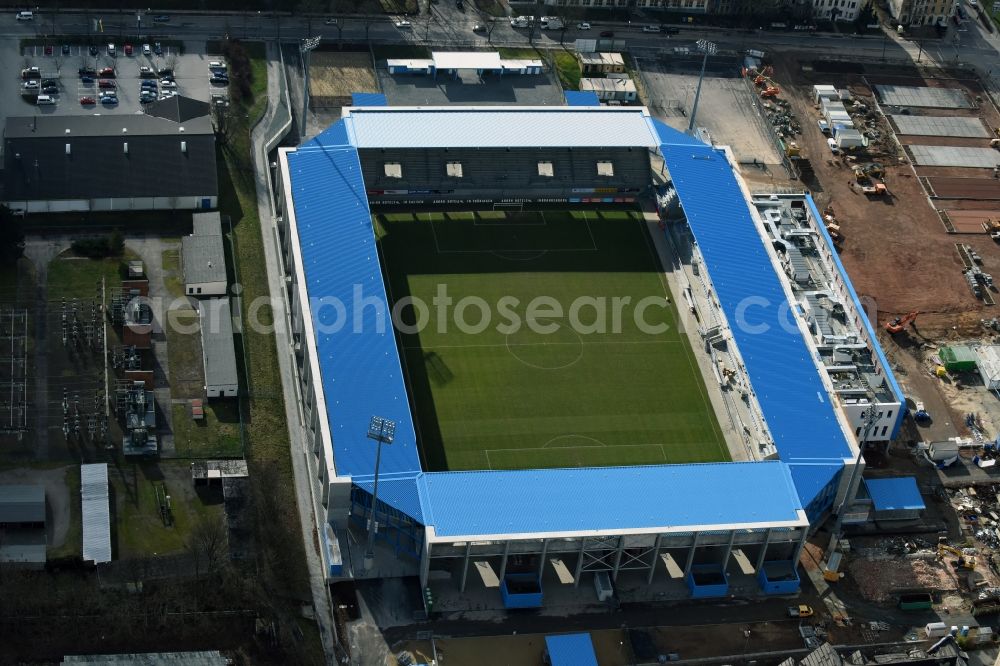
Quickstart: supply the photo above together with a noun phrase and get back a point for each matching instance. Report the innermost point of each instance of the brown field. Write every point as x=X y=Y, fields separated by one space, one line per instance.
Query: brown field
x=335 y=75
x=971 y=221
x=965 y=188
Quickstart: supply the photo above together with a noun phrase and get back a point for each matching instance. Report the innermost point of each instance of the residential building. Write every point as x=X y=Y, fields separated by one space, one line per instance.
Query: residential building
x=922 y=12
x=837 y=10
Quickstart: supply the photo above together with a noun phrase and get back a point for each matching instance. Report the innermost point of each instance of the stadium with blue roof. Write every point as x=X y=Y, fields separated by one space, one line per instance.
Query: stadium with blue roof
x=795 y=421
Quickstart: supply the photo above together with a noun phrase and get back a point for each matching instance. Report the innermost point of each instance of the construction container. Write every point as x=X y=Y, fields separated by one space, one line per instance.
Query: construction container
x=920 y=601
x=958 y=358
x=936 y=629
x=821 y=92
x=848 y=137
x=941 y=451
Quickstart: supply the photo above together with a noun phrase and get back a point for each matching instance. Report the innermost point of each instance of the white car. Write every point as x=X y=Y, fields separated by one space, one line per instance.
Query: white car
x=583 y=26
x=834 y=148
x=25 y=16
x=147 y=50
x=167 y=94
x=650 y=28
x=167 y=84
x=112 y=51
x=404 y=25
x=31 y=85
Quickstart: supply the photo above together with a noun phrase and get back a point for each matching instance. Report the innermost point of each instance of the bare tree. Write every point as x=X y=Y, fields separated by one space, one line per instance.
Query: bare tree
x=208 y=544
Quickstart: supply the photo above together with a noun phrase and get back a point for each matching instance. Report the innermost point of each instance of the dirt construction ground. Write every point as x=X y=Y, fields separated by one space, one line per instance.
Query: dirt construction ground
x=896 y=248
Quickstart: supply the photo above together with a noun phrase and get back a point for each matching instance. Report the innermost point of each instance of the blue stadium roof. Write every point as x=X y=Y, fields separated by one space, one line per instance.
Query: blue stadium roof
x=359 y=363
x=571 y=650
x=608 y=498
x=895 y=494
x=782 y=370
x=361 y=373
x=499 y=127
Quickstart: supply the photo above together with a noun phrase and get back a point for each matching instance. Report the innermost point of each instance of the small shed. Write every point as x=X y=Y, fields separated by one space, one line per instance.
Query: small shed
x=601 y=63
x=96 y=513
x=610 y=89
x=218 y=348
x=203 y=257
x=958 y=358
x=22 y=506
x=895 y=498
x=570 y=650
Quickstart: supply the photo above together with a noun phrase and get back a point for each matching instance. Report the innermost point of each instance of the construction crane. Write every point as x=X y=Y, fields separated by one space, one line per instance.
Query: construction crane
x=899 y=324
x=962 y=560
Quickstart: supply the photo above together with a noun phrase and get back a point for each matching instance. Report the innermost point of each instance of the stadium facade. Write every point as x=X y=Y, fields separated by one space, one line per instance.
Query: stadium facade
x=691 y=523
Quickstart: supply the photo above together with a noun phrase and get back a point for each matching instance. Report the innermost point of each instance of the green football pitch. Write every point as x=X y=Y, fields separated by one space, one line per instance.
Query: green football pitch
x=526 y=343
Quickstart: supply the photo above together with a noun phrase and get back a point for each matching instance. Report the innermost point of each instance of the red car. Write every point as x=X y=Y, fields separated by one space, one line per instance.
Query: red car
x=107 y=72
x=128 y=49
x=48 y=50
x=107 y=83
x=88 y=101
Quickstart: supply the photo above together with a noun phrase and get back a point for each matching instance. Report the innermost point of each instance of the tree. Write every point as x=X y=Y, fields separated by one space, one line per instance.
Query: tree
x=208 y=544
x=11 y=235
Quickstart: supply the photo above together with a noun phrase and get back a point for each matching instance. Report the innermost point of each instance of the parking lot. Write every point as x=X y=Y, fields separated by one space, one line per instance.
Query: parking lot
x=190 y=69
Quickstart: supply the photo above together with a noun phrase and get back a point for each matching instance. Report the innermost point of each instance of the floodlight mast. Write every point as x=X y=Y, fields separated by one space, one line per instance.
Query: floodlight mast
x=383 y=431
x=708 y=48
x=307 y=46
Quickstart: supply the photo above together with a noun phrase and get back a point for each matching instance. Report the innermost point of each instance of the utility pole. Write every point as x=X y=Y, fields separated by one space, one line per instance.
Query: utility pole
x=708 y=48
x=307 y=46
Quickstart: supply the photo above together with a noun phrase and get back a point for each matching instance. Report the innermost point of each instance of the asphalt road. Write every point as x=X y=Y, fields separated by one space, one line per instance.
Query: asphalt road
x=446 y=25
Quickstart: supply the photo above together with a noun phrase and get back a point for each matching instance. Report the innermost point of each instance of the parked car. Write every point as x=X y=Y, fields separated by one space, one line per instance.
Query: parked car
x=108 y=72
x=157 y=49
x=25 y=16
x=834 y=148
x=167 y=84
x=148 y=85
x=93 y=49
x=45 y=99
x=88 y=80
x=106 y=84
x=65 y=49
x=109 y=101
x=88 y=101
x=31 y=85
x=607 y=33
x=404 y=25
x=216 y=65
x=161 y=18
x=49 y=82
x=219 y=80
x=112 y=50
x=669 y=30
x=87 y=71
x=146 y=73
x=165 y=72
x=128 y=49
x=147 y=50
x=48 y=49
x=31 y=73
x=583 y=26
x=650 y=28
x=50 y=90
x=167 y=94
x=330 y=21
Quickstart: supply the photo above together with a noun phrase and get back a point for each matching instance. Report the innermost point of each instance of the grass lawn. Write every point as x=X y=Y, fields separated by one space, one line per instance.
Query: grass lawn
x=79 y=277
x=172 y=278
x=543 y=388
x=215 y=436
x=523 y=53
x=73 y=546
x=184 y=361
x=266 y=433
x=140 y=528
x=568 y=69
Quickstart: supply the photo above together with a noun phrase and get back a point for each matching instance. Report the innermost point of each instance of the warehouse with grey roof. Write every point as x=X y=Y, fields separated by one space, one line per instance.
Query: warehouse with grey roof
x=93 y=163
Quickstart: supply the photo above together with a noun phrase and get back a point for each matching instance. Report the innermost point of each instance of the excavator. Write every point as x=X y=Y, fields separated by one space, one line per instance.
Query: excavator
x=899 y=324
x=962 y=560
